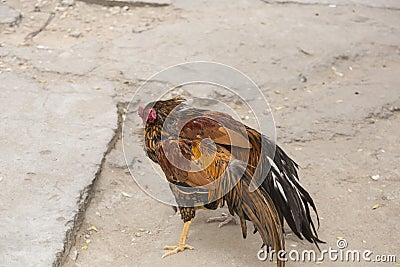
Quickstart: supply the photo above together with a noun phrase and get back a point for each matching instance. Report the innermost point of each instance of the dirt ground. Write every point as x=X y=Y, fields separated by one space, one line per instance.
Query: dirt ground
x=331 y=75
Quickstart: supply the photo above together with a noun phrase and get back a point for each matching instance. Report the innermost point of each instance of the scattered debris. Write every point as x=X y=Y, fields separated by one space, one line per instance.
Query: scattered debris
x=126 y=195
x=75 y=34
x=375 y=177
x=304 y=52
x=342 y=57
x=140 y=29
x=334 y=70
x=385 y=112
x=394 y=108
x=302 y=78
x=93 y=228
x=42 y=47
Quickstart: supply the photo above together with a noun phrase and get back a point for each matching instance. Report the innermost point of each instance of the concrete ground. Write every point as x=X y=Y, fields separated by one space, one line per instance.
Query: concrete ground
x=328 y=68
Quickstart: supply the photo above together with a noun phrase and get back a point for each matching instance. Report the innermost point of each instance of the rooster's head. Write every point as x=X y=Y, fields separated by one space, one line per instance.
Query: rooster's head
x=158 y=110
x=148 y=115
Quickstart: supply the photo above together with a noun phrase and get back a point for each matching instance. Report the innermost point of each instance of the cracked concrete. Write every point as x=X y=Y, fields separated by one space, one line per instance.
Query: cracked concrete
x=52 y=146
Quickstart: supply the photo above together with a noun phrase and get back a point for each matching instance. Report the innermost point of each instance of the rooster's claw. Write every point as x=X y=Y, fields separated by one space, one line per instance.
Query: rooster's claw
x=176 y=249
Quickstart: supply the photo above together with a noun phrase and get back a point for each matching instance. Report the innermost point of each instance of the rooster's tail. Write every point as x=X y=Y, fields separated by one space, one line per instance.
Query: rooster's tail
x=289 y=196
x=255 y=206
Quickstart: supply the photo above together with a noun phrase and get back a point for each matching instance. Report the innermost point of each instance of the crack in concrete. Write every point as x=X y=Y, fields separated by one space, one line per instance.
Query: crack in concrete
x=86 y=195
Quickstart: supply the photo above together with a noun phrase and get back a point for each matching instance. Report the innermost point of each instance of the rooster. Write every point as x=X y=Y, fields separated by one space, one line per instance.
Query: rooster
x=211 y=159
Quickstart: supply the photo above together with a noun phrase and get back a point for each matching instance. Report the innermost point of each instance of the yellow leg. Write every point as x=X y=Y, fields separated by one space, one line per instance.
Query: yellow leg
x=182 y=242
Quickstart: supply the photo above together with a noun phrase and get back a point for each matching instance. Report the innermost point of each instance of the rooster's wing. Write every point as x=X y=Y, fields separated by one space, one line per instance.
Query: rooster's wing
x=209 y=170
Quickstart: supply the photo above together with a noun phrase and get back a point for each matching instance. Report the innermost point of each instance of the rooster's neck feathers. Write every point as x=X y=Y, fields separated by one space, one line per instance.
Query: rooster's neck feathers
x=154 y=131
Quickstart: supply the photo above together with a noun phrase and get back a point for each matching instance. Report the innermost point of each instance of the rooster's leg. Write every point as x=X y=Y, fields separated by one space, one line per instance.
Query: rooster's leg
x=224 y=219
x=182 y=242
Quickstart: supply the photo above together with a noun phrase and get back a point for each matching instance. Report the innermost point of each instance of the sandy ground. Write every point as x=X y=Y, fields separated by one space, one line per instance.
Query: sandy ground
x=341 y=126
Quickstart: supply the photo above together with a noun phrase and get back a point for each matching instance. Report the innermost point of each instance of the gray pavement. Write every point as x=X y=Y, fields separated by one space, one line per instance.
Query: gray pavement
x=54 y=136
x=8 y=15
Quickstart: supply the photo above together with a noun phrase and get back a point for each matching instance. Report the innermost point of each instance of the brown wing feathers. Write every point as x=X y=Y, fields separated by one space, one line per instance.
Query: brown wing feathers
x=229 y=176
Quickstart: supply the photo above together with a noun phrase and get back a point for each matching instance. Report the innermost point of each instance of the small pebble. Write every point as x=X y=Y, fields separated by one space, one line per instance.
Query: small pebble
x=375 y=177
x=73 y=254
x=75 y=34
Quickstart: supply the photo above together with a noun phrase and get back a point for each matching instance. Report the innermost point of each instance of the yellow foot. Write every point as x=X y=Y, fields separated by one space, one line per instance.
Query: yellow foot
x=176 y=249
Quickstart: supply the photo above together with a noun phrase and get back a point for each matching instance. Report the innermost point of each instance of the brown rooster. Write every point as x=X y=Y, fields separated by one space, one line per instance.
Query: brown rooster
x=210 y=160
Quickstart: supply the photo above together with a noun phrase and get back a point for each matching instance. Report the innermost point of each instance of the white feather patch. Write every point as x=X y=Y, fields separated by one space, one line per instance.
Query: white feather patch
x=279 y=186
x=273 y=164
